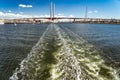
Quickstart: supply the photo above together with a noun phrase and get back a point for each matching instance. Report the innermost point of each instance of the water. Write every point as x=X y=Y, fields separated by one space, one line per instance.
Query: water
x=104 y=37
x=15 y=43
x=65 y=51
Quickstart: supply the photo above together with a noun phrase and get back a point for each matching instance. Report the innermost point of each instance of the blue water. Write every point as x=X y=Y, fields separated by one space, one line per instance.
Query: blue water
x=105 y=37
x=15 y=43
x=64 y=51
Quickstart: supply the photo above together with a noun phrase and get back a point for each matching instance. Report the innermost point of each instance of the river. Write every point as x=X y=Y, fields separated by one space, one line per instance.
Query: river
x=63 y=51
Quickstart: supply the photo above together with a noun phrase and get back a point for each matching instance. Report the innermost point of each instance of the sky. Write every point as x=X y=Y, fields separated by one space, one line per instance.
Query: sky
x=66 y=8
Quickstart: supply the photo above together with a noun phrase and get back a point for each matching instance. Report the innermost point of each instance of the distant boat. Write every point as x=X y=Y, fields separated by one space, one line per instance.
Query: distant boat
x=15 y=24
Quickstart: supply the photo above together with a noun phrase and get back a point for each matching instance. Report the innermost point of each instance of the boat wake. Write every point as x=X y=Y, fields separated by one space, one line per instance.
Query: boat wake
x=61 y=54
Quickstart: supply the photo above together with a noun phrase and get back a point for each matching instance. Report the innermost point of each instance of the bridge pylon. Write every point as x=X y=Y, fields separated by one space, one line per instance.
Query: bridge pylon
x=52 y=11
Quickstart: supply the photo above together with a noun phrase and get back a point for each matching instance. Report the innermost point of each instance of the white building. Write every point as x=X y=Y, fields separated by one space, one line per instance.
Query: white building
x=1 y=21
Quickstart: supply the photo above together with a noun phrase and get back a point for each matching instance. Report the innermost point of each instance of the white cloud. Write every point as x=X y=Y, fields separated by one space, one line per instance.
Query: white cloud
x=13 y=15
x=46 y=15
x=59 y=15
x=1 y=13
x=9 y=11
x=21 y=12
x=90 y=12
x=62 y=15
x=71 y=15
x=56 y=15
x=95 y=11
x=10 y=15
x=25 y=6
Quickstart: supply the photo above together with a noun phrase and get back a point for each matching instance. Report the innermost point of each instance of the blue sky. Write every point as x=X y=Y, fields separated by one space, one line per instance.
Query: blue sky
x=70 y=8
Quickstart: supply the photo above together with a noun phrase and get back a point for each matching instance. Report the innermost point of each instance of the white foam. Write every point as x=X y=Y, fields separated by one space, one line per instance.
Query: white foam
x=76 y=58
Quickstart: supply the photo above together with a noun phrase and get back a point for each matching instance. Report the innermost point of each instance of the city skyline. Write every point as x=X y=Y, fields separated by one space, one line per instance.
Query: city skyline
x=64 y=8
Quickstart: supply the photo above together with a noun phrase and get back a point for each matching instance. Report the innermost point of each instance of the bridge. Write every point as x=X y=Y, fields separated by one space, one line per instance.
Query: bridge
x=53 y=18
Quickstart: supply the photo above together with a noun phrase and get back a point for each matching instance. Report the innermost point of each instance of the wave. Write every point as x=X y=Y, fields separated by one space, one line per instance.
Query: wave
x=61 y=54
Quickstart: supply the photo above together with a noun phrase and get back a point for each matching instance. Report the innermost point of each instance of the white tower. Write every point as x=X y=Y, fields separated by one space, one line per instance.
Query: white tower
x=52 y=7
x=86 y=12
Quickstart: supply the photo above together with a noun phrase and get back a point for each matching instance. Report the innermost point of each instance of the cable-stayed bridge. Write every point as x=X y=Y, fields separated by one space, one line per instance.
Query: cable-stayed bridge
x=53 y=18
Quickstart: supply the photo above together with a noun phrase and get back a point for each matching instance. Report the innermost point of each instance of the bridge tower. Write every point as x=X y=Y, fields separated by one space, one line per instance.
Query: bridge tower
x=52 y=7
x=86 y=12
